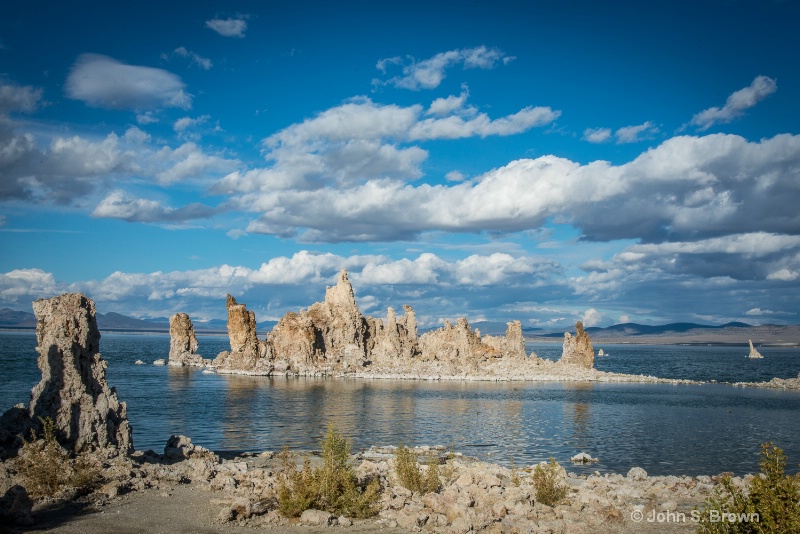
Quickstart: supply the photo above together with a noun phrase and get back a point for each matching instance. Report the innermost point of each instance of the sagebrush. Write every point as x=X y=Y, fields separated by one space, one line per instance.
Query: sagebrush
x=547 y=480
x=411 y=476
x=45 y=467
x=333 y=487
x=769 y=503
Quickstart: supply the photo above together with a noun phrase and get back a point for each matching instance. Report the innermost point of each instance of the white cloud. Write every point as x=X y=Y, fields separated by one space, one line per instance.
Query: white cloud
x=737 y=103
x=626 y=134
x=202 y=62
x=146 y=118
x=228 y=27
x=189 y=161
x=101 y=81
x=757 y=312
x=597 y=135
x=18 y=98
x=634 y=134
x=592 y=317
x=784 y=275
x=361 y=141
x=455 y=176
x=119 y=205
x=31 y=284
x=429 y=73
x=188 y=122
x=686 y=189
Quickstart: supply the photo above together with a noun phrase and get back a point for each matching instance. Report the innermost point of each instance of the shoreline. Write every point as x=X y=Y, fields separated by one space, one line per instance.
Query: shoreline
x=194 y=489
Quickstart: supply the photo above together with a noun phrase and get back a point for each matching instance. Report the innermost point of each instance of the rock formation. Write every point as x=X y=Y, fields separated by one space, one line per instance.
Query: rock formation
x=513 y=344
x=248 y=353
x=333 y=335
x=459 y=345
x=396 y=340
x=73 y=391
x=578 y=350
x=754 y=354
x=183 y=342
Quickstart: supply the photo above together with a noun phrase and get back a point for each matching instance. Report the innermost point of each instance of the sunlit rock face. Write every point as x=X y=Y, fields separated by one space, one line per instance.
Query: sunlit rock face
x=248 y=353
x=578 y=349
x=183 y=342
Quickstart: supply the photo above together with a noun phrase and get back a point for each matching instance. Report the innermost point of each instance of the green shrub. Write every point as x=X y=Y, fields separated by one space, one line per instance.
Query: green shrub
x=770 y=503
x=45 y=467
x=333 y=487
x=410 y=475
x=549 y=490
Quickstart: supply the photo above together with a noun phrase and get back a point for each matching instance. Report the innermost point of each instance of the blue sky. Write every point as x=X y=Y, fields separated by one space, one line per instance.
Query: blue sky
x=540 y=161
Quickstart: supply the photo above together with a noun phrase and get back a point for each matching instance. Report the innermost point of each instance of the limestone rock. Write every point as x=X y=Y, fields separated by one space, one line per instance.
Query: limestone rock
x=294 y=341
x=73 y=391
x=248 y=353
x=513 y=344
x=578 y=350
x=459 y=345
x=183 y=342
x=754 y=354
x=395 y=341
x=338 y=321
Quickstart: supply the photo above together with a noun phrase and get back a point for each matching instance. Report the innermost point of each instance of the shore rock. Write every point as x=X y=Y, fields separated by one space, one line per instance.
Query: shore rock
x=578 y=350
x=73 y=391
x=183 y=342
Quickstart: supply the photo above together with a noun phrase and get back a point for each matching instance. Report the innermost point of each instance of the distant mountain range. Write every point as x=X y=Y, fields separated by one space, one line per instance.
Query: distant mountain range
x=118 y=322
x=729 y=333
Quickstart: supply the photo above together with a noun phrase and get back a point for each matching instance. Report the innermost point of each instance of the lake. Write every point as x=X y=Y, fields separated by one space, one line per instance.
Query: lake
x=666 y=429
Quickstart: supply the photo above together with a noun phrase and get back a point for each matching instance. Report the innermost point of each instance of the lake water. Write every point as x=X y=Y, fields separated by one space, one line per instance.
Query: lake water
x=666 y=429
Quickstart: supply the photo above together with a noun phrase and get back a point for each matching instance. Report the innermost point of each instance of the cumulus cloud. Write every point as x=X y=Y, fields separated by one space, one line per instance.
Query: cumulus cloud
x=736 y=104
x=687 y=188
x=228 y=27
x=119 y=205
x=592 y=317
x=27 y=284
x=429 y=73
x=188 y=161
x=361 y=141
x=101 y=81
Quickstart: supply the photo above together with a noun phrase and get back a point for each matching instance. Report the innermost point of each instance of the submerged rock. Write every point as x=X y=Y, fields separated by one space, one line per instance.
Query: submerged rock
x=578 y=350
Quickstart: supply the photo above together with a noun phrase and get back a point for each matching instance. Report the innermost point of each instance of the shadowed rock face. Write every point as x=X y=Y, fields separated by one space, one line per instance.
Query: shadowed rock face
x=182 y=341
x=578 y=350
x=73 y=391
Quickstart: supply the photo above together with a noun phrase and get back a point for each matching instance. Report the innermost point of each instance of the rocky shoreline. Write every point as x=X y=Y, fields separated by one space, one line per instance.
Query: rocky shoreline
x=474 y=496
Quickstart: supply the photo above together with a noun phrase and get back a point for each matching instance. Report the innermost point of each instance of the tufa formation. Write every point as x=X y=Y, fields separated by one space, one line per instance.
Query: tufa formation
x=334 y=336
x=578 y=350
x=73 y=391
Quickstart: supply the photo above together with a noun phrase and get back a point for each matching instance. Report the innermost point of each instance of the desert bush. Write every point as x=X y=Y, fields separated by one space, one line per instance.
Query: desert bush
x=333 y=487
x=770 y=503
x=45 y=467
x=411 y=476
x=549 y=489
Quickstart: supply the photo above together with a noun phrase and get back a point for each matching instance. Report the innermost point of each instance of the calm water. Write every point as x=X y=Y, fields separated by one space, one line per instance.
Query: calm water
x=667 y=429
